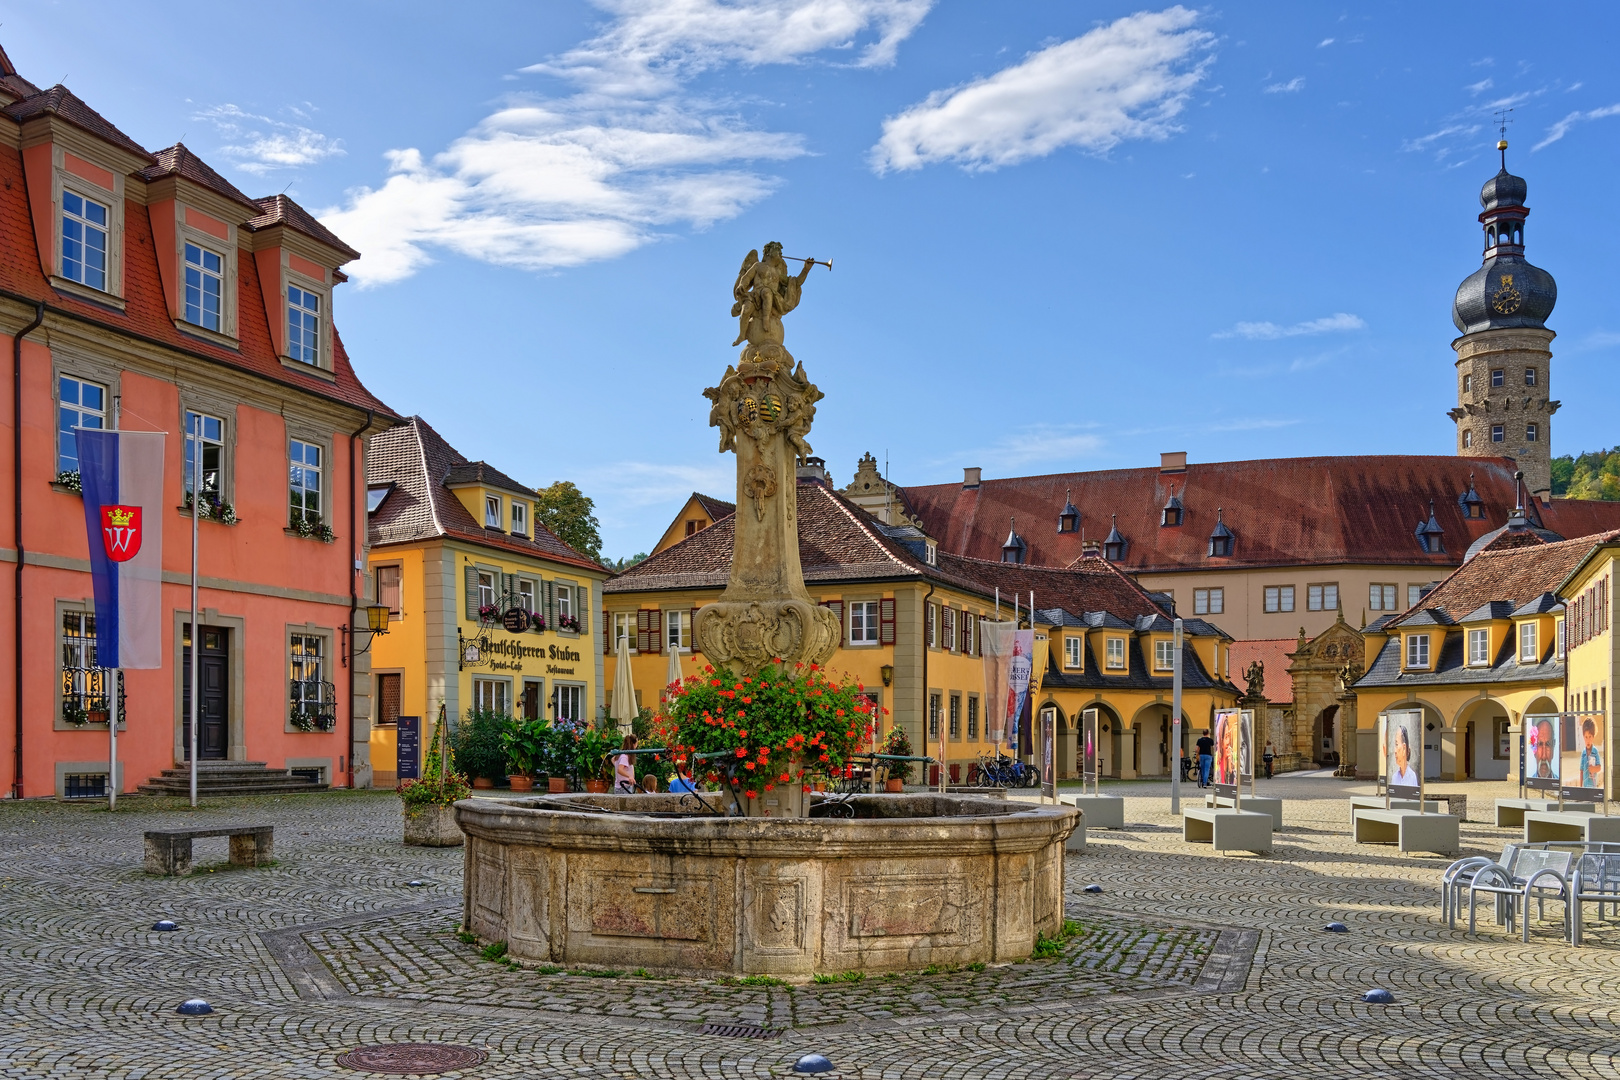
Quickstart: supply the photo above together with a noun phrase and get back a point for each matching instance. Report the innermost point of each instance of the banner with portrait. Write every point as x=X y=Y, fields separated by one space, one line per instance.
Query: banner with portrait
x=1090 y=765
x=1246 y=748
x=1048 y=753
x=1539 y=758
x=1403 y=753
x=1008 y=663
x=1580 y=753
x=1228 y=751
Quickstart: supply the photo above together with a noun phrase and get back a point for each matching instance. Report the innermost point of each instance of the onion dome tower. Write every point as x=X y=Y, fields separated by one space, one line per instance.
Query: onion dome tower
x=1504 y=354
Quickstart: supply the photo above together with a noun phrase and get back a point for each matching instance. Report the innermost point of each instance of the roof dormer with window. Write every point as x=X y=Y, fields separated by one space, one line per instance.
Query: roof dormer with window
x=298 y=260
x=77 y=164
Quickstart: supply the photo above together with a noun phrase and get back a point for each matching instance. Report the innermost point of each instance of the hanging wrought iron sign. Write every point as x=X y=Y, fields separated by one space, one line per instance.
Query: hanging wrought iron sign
x=515 y=620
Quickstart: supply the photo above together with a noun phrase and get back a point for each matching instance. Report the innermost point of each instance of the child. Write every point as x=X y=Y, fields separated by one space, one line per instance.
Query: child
x=624 y=768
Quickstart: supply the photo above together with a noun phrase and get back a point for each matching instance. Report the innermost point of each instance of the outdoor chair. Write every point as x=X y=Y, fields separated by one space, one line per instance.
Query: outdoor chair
x=1595 y=879
x=1538 y=873
x=1460 y=874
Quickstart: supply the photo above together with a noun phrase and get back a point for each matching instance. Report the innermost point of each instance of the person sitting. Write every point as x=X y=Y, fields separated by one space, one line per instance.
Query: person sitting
x=624 y=768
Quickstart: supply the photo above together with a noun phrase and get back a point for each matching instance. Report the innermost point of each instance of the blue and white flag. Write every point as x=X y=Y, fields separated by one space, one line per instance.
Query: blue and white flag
x=122 y=475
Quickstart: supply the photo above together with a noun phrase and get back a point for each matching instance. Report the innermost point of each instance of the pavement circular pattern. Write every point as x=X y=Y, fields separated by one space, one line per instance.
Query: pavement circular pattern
x=1185 y=965
x=411 y=1059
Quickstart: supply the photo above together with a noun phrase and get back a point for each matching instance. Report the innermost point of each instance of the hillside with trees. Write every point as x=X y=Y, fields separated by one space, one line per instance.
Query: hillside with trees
x=1593 y=475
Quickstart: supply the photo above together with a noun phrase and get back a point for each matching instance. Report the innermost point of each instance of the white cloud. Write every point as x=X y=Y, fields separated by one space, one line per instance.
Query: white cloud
x=1325 y=42
x=1423 y=142
x=261 y=144
x=654 y=45
x=1481 y=86
x=1292 y=86
x=1560 y=129
x=1270 y=331
x=1041 y=442
x=547 y=182
x=1126 y=80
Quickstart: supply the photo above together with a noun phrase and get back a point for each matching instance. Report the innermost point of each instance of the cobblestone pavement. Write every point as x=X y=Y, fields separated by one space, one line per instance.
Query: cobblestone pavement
x=1186 y=965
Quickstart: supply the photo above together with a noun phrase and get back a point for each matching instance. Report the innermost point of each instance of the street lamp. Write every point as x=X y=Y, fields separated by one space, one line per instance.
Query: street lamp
x=376 y=623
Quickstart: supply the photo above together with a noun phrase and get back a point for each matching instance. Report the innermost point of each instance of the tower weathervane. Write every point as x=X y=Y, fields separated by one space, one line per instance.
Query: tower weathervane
x=1502 y=121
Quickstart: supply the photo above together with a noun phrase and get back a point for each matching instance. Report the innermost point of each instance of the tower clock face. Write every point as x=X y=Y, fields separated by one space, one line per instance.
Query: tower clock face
x=1506 y=299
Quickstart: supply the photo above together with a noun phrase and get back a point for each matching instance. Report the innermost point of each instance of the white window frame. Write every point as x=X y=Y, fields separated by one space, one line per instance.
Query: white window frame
x=492 y=511
x=84 y=223
x=1417 y=651
x=1529 y=643
x=1380 y=596
x=1414 y=595
x=81 y=413
x=1529 y=376
x=300 y=351
x=678 y=629
x=204 y=275
x=1560 y=625
x=1498 y=433
x=1532 y=433
x=1164 y=656
x=1115 y=647
x=864 y=617
x=528 y=591
x=221 y=491
x=1323 y=596
x=488 y=588
x=624 y=628
x=563 y=597
x=576 y=691
x=300 y=467
x=1479 y=648
x=492 y=693
x=1279 y=599
x=520 y=519
x=1073 y=651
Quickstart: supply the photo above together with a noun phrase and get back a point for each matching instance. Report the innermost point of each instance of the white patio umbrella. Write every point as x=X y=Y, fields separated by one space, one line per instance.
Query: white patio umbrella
x=674 y=675
x=623 y=708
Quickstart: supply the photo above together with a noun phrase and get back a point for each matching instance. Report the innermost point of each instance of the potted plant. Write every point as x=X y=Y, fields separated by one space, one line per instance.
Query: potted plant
x=557 y=760
x=478 y=746
x=524 y=743
x=592 y=750
x=758 y=733
x=429 y=803
x=899 y=771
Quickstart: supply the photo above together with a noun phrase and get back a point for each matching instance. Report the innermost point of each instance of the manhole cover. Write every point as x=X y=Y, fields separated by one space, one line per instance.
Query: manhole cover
x=740 y=1031
x=406 y=1058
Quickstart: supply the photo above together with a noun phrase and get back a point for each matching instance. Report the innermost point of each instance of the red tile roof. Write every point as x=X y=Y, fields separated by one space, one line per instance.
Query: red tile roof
x=177 y=160
x=64 y=103
x=1520 y=574
x=146 y=313
x=280 y=210
x=1286 y=511
x=417 y=461
x=1273 y=656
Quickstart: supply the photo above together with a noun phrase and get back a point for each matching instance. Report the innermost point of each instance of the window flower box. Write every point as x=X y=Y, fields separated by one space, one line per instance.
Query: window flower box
x=211 y=509
x=311 y=527
x=568 y=622
x=69 y=480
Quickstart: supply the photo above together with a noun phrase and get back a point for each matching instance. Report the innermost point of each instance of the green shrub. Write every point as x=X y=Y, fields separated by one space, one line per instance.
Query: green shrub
x=899 y=743
x=478 y=744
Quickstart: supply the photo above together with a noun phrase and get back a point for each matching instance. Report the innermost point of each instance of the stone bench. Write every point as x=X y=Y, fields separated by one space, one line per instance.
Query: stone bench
x=1510 y=812
x=1456 y=805
x=168 y=851
x=1260 y=804
x=1376 y=802
x=1543 y=825
x=1101 y=811
x=1408 y=830
x=1226 y=829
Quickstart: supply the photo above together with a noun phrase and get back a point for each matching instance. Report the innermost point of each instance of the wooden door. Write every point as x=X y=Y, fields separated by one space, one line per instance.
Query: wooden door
x=213 y=683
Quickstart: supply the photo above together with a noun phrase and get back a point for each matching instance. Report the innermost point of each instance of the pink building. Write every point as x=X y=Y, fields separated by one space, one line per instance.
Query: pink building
x=142 y=291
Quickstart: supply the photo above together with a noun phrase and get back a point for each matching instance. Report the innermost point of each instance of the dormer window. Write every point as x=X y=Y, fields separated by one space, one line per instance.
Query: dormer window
x=1479 y=648
x=205 y=288
x=492 y=512
x=520 y=519
x=1430 y=536
x=304 y=328
x=1417 y=651
x=1015 y=549
x=84 y=240
x=1114 y=547
x=1473 y=507
x=1529 y=650
x=1172 y=513
x=1221 y=540
x=1069 y=519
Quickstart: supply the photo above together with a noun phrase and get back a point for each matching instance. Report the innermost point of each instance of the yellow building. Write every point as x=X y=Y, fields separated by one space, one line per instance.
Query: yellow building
x=1588 y=594
x=455 y=548
x=700 y=512
x=910 y=618
x=1486 y=647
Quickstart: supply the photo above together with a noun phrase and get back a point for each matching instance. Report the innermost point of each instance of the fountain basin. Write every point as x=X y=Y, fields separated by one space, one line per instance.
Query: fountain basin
x=641 y=881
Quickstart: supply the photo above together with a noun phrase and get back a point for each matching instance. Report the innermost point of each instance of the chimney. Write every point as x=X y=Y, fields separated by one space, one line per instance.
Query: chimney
x=815 y=469
x=970 y=478
x=1176 y=461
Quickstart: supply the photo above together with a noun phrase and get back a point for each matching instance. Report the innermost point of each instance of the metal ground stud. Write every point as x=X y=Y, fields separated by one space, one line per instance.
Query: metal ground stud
x=415 y=884
x=1092 y=888
x=1376 y=996
x=194 y=1007
x=812 y=1063
x=164 y=926
x=1336 y=928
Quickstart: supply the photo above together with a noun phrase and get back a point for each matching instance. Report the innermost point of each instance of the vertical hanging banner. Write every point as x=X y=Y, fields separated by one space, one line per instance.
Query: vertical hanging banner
x=122 y=476
x=1007 y=665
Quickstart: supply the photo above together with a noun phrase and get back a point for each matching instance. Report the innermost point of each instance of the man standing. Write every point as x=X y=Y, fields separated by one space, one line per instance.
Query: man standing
x=1268 y=756
x=1206 y=758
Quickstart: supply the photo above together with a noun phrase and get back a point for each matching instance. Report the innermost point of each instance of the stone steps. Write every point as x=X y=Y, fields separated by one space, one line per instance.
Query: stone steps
x=216 y=778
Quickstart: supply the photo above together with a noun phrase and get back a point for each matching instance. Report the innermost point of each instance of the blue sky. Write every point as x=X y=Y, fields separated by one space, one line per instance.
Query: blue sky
x=1067 y=235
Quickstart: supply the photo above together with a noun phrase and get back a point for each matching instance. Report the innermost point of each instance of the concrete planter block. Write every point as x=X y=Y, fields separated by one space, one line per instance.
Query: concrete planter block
x=432 y=826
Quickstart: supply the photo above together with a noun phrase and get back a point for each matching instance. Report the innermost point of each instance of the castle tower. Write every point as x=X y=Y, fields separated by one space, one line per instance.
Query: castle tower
x=1504 y=356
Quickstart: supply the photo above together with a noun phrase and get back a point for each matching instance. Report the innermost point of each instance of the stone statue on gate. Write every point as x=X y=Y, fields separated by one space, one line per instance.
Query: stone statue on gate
x=1256 y=678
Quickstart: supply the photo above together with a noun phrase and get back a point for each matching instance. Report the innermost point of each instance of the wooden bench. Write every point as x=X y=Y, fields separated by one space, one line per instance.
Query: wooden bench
x=1226 y=829
x=1408 y=830
x=1260 y=804
x=1542 y=825
x=168 y=851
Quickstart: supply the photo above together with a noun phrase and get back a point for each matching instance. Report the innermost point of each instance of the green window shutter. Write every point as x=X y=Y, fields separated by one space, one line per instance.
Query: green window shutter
x=693 y=631
x=470 y=578
x=582 y=606
x=549 y=602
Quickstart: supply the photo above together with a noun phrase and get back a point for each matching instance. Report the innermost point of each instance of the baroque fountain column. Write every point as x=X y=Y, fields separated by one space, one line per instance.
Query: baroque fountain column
x=764 y=407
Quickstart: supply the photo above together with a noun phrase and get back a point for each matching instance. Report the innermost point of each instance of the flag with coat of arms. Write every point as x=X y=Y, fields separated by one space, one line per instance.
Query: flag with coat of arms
x=122 y=477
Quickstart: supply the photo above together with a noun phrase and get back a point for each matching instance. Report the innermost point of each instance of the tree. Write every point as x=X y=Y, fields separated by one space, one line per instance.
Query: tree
x=571 y=515
x=619 y=566
x=1592 y=475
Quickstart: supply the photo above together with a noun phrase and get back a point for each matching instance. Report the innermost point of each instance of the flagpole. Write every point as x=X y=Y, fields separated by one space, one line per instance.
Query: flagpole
x=196 y=631
x=112 y=737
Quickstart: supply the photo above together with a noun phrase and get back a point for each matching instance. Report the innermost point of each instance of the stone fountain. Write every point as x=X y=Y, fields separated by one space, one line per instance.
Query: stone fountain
x=672 y=883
